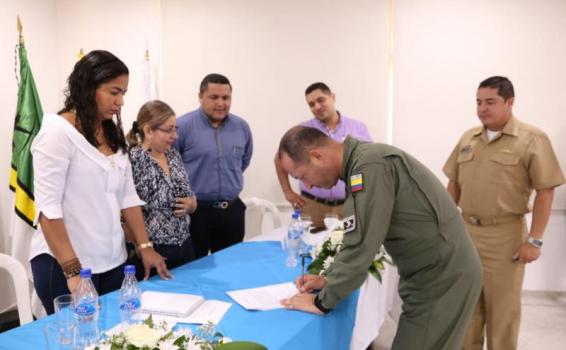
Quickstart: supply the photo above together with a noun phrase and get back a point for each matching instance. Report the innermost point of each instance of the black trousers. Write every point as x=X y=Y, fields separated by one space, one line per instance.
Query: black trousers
x=213 y=229
x=174 y=256
x=50 y=282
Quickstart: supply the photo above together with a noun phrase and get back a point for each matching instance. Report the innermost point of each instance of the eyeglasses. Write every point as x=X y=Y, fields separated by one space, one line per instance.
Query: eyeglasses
x=172 y=130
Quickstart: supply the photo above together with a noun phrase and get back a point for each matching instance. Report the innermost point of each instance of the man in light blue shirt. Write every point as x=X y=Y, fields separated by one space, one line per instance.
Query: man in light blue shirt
x=216 y=147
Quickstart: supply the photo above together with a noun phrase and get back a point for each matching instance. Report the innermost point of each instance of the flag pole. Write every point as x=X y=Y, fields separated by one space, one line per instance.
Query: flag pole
x=19 y=26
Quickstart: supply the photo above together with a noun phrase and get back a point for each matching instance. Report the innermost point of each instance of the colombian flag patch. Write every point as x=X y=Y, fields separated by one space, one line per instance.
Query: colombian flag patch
x=356 y=183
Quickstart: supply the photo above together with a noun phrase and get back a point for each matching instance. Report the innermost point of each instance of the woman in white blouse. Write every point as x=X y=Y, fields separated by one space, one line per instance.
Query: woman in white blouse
x=83 y=182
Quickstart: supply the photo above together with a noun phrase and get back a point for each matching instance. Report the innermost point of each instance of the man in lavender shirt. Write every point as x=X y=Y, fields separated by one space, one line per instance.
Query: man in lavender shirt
x=317 y=202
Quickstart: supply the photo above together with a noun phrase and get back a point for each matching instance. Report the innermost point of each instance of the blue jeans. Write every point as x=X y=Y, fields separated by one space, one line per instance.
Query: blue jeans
x=50 y=282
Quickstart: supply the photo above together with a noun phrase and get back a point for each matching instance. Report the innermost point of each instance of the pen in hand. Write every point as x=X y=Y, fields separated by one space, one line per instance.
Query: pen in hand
x=302 y=269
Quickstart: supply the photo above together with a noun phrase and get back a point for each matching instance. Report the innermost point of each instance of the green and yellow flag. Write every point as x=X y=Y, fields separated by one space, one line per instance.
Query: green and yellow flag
x=26 y=126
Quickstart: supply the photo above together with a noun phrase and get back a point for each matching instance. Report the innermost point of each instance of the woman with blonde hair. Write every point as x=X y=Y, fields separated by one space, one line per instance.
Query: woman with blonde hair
x=162 y=182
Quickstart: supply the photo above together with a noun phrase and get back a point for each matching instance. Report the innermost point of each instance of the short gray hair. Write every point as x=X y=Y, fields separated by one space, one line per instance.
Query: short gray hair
x=299 y=140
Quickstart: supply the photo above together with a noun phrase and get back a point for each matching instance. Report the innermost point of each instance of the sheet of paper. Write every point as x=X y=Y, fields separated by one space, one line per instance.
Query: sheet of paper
x=209 y=311
x=264 y=298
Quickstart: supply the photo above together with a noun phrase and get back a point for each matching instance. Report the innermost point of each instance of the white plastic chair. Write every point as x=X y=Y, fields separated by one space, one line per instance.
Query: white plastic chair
x=21 y=284
x=255 y=214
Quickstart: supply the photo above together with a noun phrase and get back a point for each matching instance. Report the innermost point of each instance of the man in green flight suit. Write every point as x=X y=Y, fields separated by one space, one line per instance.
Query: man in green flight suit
x=395 y=200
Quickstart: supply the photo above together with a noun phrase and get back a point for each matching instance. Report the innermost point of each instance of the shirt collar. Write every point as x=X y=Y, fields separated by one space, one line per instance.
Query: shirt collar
x=206 y=119
x=324 y=127
x=511 y=128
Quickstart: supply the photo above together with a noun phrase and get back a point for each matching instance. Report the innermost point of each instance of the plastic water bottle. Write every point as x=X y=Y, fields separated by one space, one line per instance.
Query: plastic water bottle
x=130 y=296
x=304 y=247
x=293 y=240
x=86 y=311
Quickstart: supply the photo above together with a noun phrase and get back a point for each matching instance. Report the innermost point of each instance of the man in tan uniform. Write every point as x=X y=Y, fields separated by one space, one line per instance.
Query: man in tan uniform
x=493 y=171
x=392 y=199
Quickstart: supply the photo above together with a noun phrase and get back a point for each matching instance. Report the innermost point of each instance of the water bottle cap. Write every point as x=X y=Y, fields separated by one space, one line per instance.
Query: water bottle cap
x=86 y=272
x=295 y=215
x=298 y=211
x=129 y=269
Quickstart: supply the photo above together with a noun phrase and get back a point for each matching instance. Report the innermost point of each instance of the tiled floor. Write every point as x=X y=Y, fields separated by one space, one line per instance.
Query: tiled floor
x=543 y=324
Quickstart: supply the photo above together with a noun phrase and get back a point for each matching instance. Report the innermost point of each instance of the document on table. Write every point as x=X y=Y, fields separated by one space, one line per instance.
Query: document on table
x=264 y=298
x=208 y=311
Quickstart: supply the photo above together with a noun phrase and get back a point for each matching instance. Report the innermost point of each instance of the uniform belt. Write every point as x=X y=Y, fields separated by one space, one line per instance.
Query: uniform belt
x=329 y=202
x=219 y=204
x=486 y=221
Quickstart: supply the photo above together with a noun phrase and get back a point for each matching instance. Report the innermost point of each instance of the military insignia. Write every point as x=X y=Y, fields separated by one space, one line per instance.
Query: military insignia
x=466 y=149
x=505 y=150
x=356 y=183
x=349 y=223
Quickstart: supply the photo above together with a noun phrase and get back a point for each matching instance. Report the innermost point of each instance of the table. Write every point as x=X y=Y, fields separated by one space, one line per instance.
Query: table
x=245 y=265
x=376 y=300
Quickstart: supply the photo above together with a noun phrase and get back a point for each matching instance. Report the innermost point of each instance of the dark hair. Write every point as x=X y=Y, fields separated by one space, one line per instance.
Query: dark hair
x=502 y=84
x=94 y=69
x=213 y=78
x=299 y=140
x=153 y=113
x=318 y=86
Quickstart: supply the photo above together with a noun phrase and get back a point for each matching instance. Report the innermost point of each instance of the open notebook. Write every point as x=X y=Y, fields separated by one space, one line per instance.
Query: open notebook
x=182 y=308
x=172 y=304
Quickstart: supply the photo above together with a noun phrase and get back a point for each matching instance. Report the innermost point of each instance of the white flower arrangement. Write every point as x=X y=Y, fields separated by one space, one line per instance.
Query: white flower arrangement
x=159 y=336
x=324 y=254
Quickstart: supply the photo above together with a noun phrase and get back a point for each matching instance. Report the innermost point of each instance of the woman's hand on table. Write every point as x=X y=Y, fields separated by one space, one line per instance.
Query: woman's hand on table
x=152 y=259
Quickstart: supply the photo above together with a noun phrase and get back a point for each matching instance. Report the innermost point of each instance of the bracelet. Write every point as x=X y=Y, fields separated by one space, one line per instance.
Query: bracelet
x=145 y=245
x=319 y=305
x=71 y=268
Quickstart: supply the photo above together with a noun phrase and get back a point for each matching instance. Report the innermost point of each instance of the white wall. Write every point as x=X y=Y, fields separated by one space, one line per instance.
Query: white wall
x=124 y=27
x=444 y=48
x=271 y=51
x=548 y=272
x=38 y=21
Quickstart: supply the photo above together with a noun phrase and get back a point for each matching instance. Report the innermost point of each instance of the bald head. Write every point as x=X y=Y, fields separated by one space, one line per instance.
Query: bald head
x=299 y=140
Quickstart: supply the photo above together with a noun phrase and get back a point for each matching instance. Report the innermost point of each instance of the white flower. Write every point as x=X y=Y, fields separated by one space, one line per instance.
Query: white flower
x=226 y=340
x=102 y=346
x=327 y=262
x=187 y=332
x=141 y=335
x=192 y=344
x=315 y=252
x=167 y=345
x=336 y=238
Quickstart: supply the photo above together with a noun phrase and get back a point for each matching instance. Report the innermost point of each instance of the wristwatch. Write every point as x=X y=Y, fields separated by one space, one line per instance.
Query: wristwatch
x=534 y=241
x=146 y=245
x=319 y=305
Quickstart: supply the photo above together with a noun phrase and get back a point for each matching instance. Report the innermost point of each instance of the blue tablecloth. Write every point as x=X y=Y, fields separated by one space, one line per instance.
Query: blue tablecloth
x=246 y=265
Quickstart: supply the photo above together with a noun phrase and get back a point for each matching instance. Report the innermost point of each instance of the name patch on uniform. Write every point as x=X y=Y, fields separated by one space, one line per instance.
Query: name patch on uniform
x=505 y=150
x=356 y=183
x=349 y=223
x=466 y=149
